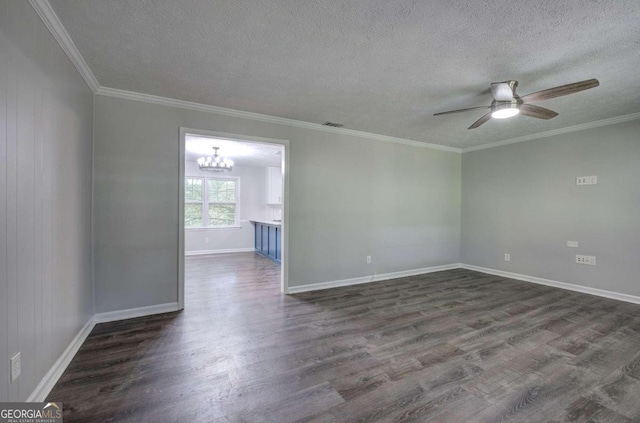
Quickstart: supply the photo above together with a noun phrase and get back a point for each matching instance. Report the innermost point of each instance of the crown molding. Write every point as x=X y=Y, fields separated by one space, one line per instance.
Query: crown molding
x=50 y=19
x=170 y=102
x=47 y=14
x=559 y=131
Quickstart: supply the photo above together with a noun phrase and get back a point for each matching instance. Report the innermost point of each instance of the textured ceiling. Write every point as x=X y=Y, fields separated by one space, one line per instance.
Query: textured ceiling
x=378 y=66
x=242 y=153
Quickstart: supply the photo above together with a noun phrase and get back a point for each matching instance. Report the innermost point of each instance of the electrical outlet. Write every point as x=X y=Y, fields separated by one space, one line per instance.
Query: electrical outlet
x=16 y=368
x=572 y=244
x=588 y=260
x=206 y=240
x=507 y=257
x=587 y=180
x=368 y=259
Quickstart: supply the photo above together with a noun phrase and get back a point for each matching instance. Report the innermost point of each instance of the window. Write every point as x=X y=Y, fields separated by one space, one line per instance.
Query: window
x=193 y=195
x=222 y=201
x=210 y=202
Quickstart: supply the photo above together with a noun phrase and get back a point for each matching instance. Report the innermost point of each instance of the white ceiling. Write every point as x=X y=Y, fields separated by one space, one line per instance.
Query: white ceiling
x=242 y=153
x=378 y=66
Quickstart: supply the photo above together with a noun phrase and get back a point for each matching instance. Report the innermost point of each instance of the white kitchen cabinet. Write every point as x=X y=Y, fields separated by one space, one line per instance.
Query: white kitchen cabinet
x=274 y=185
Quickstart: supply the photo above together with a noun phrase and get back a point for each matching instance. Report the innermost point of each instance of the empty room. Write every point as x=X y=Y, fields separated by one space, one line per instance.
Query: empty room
x=319 y=211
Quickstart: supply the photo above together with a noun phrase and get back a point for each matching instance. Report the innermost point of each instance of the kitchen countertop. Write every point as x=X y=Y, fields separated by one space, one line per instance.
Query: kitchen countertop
x=266 y=222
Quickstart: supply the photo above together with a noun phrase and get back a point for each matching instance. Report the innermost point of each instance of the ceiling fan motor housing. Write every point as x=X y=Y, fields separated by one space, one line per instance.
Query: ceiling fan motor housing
x=504 y=91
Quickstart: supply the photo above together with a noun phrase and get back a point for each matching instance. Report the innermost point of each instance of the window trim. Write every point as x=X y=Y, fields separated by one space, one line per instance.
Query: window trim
x=205 y=203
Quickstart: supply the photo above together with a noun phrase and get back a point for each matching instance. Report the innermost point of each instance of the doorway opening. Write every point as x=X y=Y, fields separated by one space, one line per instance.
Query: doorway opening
x=233 y=226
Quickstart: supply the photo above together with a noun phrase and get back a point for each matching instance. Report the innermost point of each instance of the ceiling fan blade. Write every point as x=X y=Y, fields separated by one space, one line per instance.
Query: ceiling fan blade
x=480 y=121
x=501 y=91
x=560 y=91
x=537 y=111
x=461 y=110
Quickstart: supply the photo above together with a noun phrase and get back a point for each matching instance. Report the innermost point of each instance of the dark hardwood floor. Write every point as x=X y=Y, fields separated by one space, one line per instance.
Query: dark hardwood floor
x=453 y=346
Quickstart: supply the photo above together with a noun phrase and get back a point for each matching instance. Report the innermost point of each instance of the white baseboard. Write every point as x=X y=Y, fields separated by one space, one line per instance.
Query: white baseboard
x=228 y=250
x=51 y=378
x=131 y=313
x=372 y=278
x=556 y=284
x=47 y=383
x=526 y=278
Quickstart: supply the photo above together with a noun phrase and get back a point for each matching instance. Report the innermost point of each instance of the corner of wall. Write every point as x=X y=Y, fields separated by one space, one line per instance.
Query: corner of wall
x=93 y=189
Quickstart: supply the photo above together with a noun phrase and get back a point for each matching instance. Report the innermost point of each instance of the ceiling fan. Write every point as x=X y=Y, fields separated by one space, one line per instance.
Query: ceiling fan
x=506 y=103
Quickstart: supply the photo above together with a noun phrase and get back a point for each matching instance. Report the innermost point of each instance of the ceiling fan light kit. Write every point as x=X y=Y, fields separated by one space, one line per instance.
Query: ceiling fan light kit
x=505 y=110
x=506 y=103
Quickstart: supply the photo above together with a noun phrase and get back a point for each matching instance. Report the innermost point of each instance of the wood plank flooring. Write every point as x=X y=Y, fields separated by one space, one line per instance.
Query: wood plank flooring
x=452 y=346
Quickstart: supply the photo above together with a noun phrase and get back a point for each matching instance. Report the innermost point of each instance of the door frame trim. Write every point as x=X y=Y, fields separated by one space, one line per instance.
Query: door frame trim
x=184 y=131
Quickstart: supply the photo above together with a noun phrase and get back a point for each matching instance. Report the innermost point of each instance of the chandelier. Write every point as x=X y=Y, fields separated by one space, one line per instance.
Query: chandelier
x=215 y=163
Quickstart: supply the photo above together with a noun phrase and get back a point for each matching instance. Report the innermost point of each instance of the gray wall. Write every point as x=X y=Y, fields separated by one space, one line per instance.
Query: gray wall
x=45 y=199
x=252 y=203
x=522 y=199
x=349 y=197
